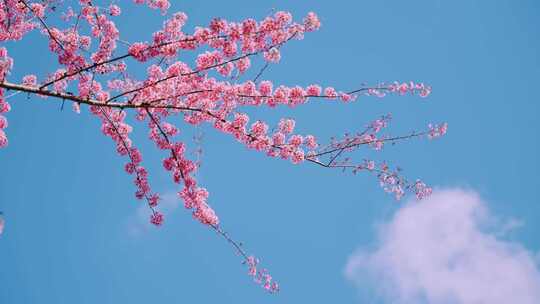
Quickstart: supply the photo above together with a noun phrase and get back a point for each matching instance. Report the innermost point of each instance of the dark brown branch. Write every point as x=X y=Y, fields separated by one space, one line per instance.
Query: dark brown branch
x=87 y=68
x=261 y=71
x=163 y=44
x=237 y=246
x=121 y=105
x=181 y=75
x=90 y=102
x=203 y=69
x=354 y=144
x=8 y=17
x=128 y=153
x=43 y=24
x=151 y=105
x=154 y=120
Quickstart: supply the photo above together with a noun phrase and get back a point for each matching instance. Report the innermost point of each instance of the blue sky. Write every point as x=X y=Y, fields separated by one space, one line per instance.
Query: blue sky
x=69 y=207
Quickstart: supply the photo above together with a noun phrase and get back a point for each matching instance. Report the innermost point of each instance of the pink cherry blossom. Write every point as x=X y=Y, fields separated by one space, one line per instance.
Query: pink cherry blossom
x=297 y=156
x=3 y=122
x=38 y=10
x=311 y=142
x=156 y=219
x=265 y=88
x=261 y=276
x=437 y=130
x=272 y=55
x=330 y=92
x=421 y=189
x=29 y=80
x=243 y=64
x=313 y=90
x=114 y=10
x=286 y=126
x=4 y=105
x=3 y=139
x=311 y=22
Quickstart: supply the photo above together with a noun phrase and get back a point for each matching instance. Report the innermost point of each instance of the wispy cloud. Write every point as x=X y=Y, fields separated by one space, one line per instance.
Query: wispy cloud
x=447 y=249
x=139 y=222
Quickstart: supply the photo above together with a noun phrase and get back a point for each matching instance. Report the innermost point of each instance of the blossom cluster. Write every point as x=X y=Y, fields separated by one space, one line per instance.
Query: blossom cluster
x=114 y=126
x=437 y=130
x=182 y=170
x=4 y=107
x=282 y=143
x=403 y=88
x=15 y=20
x=162 y=5
x=6 y=64
x=391 y=181
x=261 y=275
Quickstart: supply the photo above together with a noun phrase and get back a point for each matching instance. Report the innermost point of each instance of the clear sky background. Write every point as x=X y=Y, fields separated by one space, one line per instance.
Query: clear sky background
x=74 y=232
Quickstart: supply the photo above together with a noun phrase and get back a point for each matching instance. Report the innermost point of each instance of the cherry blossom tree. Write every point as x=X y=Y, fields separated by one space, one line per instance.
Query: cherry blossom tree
x=93 y=74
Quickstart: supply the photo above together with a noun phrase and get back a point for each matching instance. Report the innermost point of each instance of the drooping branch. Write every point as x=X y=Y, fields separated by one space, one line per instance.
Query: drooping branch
x=53 y=37
x=140 y=180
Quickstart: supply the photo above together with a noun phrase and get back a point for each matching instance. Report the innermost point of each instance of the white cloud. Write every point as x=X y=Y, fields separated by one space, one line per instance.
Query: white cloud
x=446 y=250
